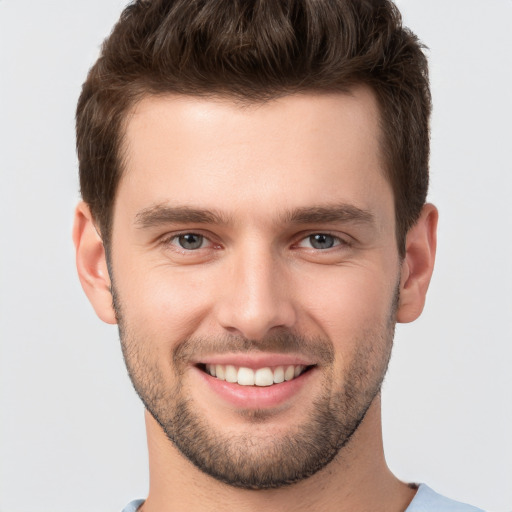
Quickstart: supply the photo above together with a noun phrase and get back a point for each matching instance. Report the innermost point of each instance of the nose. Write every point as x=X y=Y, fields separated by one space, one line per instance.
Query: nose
x=257 y=297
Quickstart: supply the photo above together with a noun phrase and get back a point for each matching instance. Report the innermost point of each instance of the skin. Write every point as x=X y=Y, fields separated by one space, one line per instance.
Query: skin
x=257 y=274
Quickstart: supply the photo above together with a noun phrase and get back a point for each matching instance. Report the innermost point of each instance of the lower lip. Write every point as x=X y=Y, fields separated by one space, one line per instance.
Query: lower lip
x=256 y=397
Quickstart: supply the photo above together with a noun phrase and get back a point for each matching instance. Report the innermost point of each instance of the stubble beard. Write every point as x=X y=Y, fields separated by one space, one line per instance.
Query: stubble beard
x=254 y=459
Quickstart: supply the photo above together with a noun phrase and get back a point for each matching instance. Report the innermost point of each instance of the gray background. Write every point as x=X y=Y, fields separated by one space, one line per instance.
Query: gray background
x=72 y=433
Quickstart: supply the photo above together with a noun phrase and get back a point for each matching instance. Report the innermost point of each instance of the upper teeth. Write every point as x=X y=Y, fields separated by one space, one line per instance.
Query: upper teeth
x=249 y=377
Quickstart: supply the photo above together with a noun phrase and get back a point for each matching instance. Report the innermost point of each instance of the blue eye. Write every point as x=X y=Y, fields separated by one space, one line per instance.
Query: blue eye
x=190 y=241
x=322 y=241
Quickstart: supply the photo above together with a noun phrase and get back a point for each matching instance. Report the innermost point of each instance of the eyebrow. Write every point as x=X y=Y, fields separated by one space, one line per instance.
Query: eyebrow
x=329 y=213
x=162 y=214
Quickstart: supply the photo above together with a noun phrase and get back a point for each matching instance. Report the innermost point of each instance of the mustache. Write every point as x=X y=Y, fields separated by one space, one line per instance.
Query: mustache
x=279 y=342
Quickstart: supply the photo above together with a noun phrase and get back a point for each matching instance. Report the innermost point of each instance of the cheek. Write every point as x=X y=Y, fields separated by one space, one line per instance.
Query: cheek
x=162 y=303
x=355 y=314
x=346 y=302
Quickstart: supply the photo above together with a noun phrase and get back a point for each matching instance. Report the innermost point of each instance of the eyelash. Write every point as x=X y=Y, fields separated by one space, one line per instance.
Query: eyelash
x=168 y=241
x=338 y=241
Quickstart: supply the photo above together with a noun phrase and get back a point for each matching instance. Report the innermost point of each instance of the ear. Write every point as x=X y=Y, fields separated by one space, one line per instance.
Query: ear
x=418 y=264
x=91 y=264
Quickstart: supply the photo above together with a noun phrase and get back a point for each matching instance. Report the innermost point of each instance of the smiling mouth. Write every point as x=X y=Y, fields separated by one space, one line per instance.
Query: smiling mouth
x=266 y=376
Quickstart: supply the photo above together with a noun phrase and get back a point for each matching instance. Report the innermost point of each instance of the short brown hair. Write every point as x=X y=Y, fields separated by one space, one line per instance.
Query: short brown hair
x=256 y=50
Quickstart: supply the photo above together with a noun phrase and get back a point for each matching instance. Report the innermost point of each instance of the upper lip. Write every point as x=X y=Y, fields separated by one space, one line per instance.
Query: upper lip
x=256 y=360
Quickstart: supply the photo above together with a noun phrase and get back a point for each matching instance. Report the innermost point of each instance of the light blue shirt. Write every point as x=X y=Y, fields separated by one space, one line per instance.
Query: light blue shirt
x=133 y=506
x=426 y=500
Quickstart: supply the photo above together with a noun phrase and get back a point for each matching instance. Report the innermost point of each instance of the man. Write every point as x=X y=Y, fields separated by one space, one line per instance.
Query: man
x=254 y=177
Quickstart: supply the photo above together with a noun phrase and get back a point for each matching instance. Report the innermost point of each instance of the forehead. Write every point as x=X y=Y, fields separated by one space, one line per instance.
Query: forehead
x=295 y=151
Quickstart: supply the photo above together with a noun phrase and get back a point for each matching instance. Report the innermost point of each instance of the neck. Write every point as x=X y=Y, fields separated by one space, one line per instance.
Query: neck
x=358 y=479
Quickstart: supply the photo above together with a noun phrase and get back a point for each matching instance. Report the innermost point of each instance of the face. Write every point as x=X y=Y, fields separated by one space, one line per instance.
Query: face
x=255 y=271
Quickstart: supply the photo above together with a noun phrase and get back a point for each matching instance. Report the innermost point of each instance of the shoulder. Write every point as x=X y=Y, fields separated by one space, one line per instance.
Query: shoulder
x=427 y=500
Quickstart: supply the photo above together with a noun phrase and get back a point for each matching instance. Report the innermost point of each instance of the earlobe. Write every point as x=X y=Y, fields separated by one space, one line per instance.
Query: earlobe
x=91 y=264
x=418 y=265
